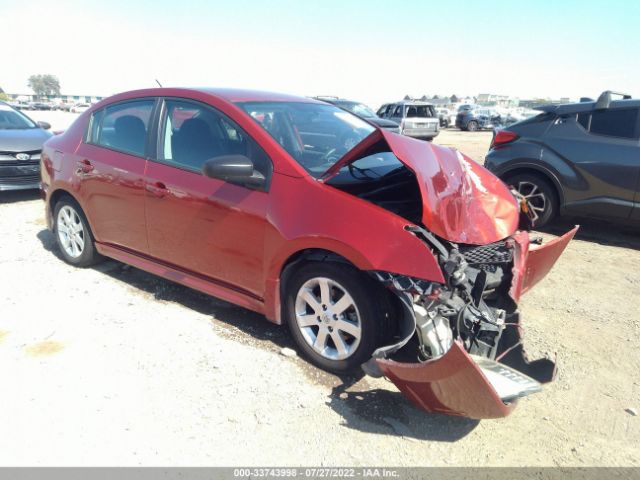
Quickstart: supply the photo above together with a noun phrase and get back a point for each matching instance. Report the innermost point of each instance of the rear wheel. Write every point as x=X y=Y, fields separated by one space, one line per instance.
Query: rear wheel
x=540 y=195
x=73 y=235
x=336 y=314
x=473 y=126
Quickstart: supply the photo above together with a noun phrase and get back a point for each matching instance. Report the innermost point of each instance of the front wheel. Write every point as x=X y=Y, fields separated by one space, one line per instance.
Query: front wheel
x=336 y=314
x=473 y=126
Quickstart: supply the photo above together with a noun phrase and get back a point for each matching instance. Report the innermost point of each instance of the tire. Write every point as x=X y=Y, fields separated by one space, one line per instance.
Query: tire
x=473 y=126
x=73 y=234
x=318 y=329
x=542 y=196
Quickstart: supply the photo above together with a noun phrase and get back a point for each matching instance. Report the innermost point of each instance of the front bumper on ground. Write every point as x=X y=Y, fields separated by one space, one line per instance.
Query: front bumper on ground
x=458 y=383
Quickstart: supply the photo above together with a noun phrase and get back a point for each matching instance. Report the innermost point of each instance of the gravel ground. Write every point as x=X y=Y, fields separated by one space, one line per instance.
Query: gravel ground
x=113 y=366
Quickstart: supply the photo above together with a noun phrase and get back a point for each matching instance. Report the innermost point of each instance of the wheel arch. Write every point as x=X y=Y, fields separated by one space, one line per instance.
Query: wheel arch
x=55 y=197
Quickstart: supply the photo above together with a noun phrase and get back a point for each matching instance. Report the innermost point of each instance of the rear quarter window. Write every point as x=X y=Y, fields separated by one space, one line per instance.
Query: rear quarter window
x=621 y=123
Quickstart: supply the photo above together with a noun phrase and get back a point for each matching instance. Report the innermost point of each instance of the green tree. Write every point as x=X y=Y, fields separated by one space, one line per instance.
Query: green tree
x=44 y=84
x=3 y=96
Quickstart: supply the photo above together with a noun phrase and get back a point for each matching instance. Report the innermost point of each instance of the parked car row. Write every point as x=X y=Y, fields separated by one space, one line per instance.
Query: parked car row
x=64 y=106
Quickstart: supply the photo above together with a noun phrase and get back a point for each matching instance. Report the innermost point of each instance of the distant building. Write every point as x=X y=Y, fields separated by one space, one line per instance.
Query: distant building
x=30 y=97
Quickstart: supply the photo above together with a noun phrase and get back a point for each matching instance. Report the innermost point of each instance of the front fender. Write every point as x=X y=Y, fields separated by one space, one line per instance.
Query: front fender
x=326 y=218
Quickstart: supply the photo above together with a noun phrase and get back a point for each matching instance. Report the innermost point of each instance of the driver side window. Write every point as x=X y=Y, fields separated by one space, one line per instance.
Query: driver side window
x=194 y=133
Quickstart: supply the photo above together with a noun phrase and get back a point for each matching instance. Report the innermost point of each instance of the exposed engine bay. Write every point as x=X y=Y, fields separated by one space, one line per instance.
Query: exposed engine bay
x=473 y=310
x=458 y=346
x=470 y=307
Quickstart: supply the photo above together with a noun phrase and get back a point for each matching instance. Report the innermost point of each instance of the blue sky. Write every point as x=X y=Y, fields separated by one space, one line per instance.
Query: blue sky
x=371 y=50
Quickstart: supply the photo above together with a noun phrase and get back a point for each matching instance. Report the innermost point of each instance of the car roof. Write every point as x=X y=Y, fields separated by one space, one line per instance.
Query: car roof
x=231 y=95
x=580 y=107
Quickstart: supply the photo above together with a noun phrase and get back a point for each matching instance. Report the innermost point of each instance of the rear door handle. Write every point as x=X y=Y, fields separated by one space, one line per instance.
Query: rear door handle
x=84 y=166
x=159 y=189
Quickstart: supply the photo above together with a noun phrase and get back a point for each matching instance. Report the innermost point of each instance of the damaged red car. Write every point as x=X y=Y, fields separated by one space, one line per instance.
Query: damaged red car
x=380 y=252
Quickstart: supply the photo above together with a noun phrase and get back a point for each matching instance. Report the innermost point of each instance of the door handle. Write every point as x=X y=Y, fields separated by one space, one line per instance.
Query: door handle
x=84 y=166
x=158 y=189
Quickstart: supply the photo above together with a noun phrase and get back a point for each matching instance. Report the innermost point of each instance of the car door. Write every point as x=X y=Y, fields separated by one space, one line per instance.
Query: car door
x=109 y=172
x=202 y=225
x=603 y=147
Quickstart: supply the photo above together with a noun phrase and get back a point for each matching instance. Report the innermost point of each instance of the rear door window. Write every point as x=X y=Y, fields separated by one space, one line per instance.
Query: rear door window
x=123 y=126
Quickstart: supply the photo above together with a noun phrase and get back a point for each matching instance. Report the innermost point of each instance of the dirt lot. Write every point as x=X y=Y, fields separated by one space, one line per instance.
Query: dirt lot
x=113 y=366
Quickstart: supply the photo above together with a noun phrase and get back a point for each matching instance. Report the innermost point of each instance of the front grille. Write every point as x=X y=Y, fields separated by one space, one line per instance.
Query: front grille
x=497 y=252
x=18 y=163
x=14 y=153
x=24 y=180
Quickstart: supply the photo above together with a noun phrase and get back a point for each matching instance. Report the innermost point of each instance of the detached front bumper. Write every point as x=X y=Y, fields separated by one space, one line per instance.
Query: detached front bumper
x=461 y=384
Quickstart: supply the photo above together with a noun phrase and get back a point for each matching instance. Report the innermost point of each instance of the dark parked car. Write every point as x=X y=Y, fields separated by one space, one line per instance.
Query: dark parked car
x=362 y=111
x=478 y=118
x=581 y=159
x=21 y=141
x=388 y=255
x=41 y=106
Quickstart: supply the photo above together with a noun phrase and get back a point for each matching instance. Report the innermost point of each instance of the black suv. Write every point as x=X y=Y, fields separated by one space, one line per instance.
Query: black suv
x=576 y=159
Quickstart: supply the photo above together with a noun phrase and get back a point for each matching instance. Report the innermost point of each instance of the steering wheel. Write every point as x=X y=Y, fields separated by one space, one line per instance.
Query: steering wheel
x=327 y=155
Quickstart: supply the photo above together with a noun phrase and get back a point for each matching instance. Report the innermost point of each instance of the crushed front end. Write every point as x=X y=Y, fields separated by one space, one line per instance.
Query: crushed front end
x=459 y=347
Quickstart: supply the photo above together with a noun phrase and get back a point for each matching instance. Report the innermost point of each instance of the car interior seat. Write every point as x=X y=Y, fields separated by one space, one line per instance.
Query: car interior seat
x=129 y=134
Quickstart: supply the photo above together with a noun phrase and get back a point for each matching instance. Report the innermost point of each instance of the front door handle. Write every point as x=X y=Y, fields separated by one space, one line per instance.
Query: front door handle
x=158 y=189
x=84 y=166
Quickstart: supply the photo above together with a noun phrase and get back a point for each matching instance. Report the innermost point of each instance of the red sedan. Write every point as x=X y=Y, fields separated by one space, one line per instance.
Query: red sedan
x=380 y=252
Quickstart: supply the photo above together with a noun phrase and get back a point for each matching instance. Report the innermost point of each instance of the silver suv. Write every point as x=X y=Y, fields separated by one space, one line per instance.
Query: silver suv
x=417 y=119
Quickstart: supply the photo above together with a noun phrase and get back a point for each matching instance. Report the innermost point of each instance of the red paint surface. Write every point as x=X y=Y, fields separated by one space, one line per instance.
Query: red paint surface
x=533 y=262
x=463 y=202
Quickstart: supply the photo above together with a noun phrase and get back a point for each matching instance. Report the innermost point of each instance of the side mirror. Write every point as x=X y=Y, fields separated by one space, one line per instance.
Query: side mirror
x=45 y=125
x=233 y=168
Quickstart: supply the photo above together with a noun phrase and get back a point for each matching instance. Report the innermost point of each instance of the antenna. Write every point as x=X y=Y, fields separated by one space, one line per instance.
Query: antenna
x=159 y=84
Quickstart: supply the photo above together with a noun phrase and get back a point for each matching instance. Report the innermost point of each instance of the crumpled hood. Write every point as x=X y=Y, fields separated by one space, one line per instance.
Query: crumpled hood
x=462 y=201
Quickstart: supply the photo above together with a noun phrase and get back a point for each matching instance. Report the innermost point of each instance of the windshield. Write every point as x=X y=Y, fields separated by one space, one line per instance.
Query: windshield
x=359 y=109
x=420 y=111
x=11 y=119
x=315 y=135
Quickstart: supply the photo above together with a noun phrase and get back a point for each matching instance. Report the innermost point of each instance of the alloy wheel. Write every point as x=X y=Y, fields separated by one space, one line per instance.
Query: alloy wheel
x=328 y=318
x=535 y=198
x=70 y=231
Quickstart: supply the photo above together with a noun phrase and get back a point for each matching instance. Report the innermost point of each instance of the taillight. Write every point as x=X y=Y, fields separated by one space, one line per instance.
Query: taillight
x=502 y=137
